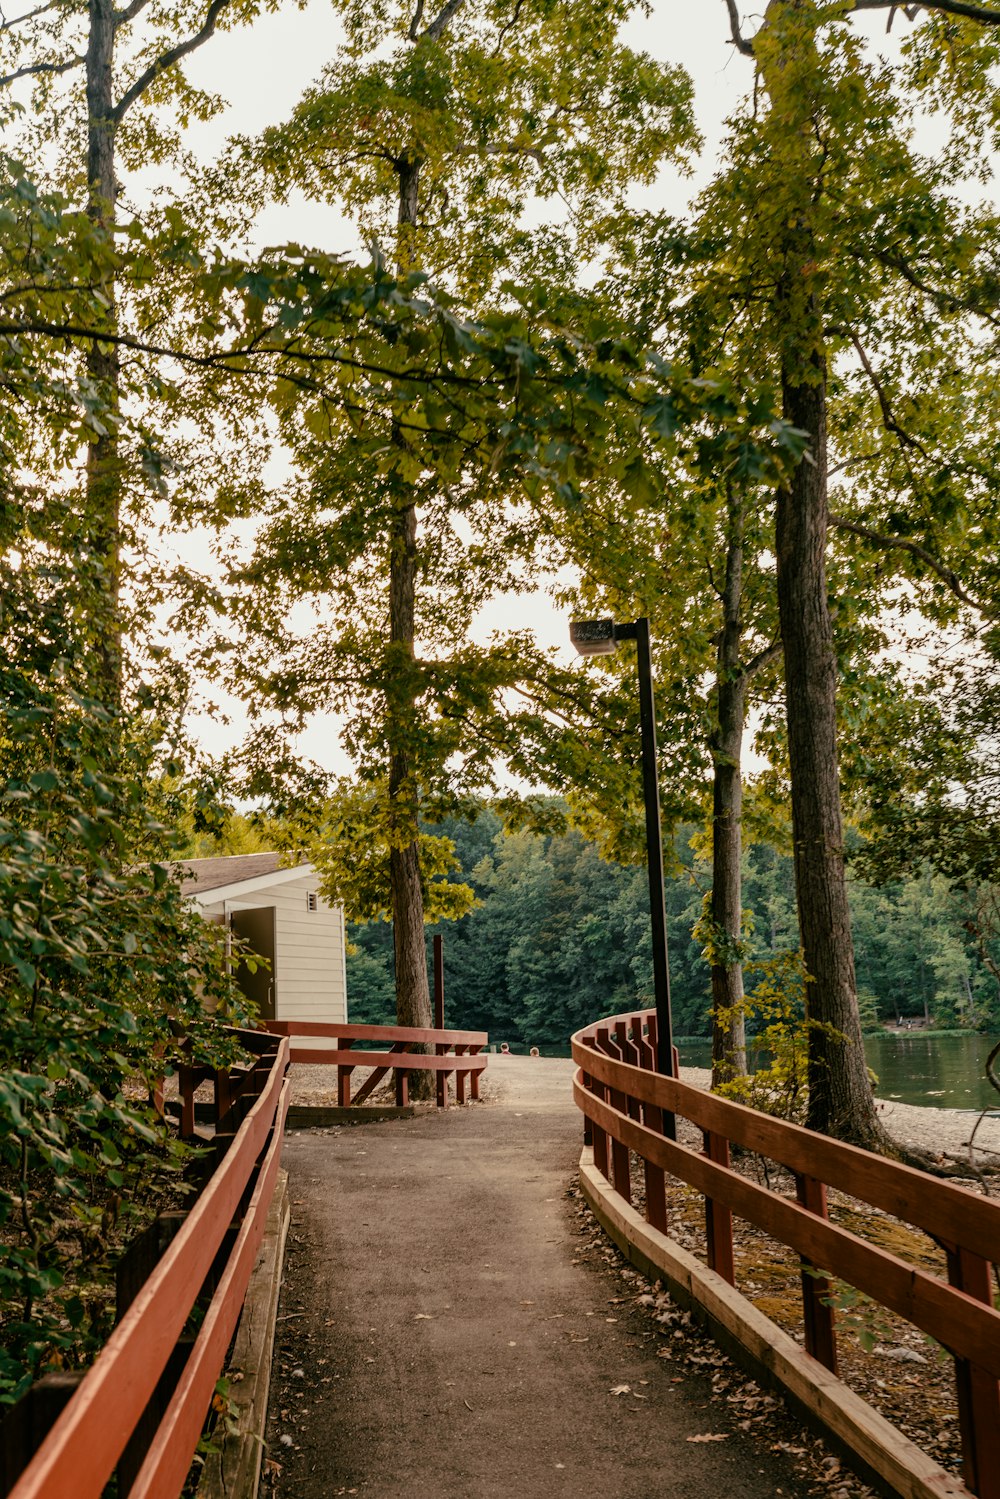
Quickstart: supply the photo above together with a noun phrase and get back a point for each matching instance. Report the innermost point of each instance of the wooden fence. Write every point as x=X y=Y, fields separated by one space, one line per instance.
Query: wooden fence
x=140 y=1409
x=624 y=1100
x=389 y=1048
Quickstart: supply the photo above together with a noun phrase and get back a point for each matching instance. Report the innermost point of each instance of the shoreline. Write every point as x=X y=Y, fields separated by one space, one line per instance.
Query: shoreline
x=926 y=1126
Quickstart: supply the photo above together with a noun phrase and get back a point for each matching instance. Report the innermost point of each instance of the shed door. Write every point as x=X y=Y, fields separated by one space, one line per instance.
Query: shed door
x=256 y=928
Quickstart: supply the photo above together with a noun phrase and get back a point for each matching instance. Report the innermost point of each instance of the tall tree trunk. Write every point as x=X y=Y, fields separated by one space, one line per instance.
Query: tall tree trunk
x=840 y=1093
x=413 y=1000
x=729 y=1055
x=104 y=478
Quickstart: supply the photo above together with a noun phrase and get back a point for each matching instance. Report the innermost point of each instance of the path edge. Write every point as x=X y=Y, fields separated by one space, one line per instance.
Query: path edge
x=882 y=1454
x=233 y=1470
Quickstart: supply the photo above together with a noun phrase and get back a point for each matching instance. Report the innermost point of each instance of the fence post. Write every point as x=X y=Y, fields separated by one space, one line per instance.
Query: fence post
x=25 y=1425
x=821 y=1337
x=652 y=1118
x=719 y=1219
x=978 y=1391
x=599 y=1138
x=440 y=1049
x=621 y=1181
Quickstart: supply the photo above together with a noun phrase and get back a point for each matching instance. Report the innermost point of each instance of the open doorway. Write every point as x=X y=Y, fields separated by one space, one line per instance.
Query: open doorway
x=255 y=926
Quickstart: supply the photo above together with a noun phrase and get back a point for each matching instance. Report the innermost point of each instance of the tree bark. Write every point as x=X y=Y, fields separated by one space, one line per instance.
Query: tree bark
x=413 y=1000
x=103 y=473
x=729 y=1055
x=840 y=1093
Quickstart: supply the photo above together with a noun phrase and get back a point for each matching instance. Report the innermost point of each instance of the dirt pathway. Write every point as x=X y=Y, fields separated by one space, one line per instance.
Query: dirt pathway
x=439 y=1336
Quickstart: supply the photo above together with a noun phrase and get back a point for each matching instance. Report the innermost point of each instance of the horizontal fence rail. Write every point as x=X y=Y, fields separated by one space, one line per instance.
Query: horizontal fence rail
x=624 y=1100
x=141 y=1407
x=389 y=1048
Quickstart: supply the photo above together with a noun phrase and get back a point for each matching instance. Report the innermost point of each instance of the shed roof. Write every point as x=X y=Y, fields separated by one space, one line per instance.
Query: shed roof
x=230 y=869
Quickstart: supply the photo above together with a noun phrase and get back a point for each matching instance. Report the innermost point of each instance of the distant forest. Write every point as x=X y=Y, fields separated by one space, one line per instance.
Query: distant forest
x=561 y=937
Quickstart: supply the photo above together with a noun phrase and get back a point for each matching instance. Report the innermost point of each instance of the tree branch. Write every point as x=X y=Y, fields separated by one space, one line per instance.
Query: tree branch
x=888 y=418
x=29 y=15
x=763 y=658
x=989 y=14
x=415 y=20
x=168 y=59
x=439 y=25
x=739 y=40
x=944 y=299
x=36 y=69
x=129 y=13
x=507 y=27
x=904 y=544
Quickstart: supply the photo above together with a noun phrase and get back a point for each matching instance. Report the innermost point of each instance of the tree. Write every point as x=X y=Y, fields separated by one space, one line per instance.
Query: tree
x=104 y=967
x=436 y=146
x=822 y=144
x=125 y=57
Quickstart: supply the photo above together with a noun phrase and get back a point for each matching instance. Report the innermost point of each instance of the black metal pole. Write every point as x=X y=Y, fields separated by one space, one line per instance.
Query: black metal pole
x=654 y=860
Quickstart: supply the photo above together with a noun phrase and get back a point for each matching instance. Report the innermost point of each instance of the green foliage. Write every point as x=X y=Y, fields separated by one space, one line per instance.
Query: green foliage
x=775 y=1011
x=103 y=965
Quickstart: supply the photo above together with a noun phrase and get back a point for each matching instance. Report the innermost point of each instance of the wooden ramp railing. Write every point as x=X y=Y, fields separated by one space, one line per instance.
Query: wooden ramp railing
x=624 y=1098
x=389 y=1048
x=139 y=1410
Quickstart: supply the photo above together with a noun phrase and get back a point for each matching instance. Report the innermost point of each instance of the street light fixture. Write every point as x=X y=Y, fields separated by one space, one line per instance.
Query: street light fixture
x=600 y=637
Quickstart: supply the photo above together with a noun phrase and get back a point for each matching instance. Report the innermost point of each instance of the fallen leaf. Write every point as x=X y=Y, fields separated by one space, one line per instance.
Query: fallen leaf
x=710 y=1436
x=620 y=1389
x=423 y=1317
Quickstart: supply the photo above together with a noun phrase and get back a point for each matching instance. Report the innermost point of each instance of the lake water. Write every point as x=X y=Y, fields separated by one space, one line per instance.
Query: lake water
x=943 y=1072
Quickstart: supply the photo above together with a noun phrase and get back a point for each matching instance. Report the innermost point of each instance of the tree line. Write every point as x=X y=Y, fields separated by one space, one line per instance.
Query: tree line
x=560 y=936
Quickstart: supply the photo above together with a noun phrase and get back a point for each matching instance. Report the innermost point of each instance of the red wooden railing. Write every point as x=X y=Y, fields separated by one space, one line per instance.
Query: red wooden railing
x=623 y=1099
x=455 y=1052
x=142 y=1405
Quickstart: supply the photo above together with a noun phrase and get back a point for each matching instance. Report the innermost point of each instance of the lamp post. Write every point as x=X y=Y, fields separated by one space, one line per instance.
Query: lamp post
x=600 y=637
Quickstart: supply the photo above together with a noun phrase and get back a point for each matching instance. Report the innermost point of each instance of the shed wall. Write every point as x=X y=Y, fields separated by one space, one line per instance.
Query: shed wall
x=310 y=980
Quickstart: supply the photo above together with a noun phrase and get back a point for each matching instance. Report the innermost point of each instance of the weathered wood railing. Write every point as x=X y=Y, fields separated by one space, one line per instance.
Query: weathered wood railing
x=455 y=1052
x=623 y=1099
x=140 y=1408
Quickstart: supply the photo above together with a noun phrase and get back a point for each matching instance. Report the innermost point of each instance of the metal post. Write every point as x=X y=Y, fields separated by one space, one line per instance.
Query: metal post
x=654 y=857
x=439 y=983
x=598 y=637
x=440 y=1048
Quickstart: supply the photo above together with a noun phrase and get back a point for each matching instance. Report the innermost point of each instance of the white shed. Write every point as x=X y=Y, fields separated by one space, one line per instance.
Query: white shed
x=281 y=915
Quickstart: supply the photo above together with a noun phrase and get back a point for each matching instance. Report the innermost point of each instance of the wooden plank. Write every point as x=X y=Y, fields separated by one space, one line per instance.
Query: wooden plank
x=940 y=1209
x=26 y=1425
x=376 y=1032
x=232 y=1470
x=718 y=1218
x=821 y=1337
x=417 y=1062
x=141 y=1258
x=598 y=1139
x=965 y=1326
x=91 y=1434
x=652 y=1117
x=620 y=1174
x=978 y=1392
x=169 y=1458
